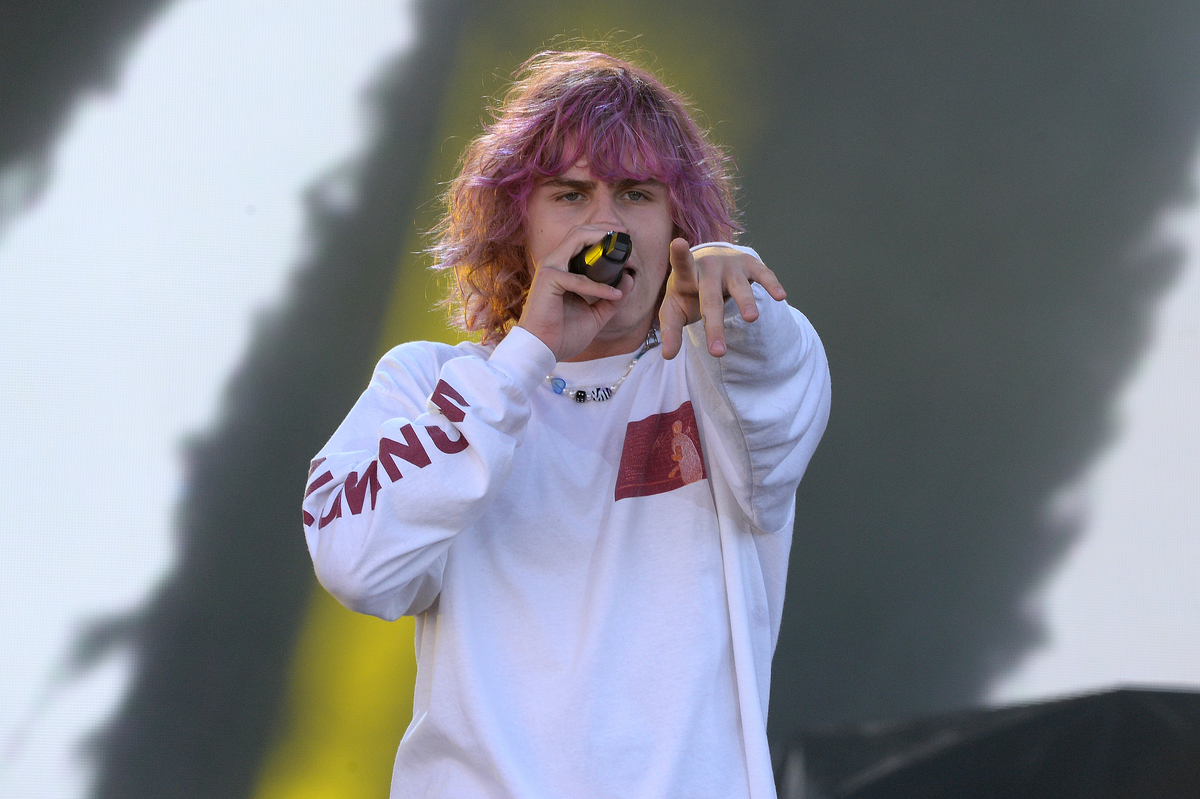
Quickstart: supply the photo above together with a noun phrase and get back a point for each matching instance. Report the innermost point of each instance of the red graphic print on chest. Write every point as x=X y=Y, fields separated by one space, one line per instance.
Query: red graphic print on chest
x=661 y=453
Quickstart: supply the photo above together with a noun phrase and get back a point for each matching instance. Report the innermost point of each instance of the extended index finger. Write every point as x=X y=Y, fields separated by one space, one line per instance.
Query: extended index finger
x=683 y=262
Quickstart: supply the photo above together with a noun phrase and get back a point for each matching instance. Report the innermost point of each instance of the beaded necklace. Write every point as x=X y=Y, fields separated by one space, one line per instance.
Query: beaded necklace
x=559 y=386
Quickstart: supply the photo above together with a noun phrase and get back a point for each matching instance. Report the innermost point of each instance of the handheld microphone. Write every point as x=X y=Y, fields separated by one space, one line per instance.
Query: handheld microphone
x=604 y=260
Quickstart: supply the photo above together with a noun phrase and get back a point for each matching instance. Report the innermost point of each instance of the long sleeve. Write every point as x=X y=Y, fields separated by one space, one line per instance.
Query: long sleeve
x=418 y=459
x=767 y=401
x=763 y=408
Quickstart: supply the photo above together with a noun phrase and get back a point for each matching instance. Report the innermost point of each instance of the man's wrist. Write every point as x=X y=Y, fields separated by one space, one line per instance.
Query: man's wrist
x=727 y=245
x=524 y=357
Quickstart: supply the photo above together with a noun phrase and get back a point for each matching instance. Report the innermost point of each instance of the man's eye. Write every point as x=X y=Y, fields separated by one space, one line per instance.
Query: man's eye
x=635 y=196
x=571 y=196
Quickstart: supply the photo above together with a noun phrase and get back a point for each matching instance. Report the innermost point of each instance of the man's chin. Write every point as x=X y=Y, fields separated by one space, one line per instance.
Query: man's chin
x=622 y=325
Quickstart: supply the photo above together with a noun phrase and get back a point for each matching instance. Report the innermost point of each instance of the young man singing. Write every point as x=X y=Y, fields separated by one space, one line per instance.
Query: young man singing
x=589 y=513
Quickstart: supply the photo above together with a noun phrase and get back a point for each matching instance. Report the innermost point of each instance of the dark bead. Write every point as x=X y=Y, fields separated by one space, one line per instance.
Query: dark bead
x=581 y=396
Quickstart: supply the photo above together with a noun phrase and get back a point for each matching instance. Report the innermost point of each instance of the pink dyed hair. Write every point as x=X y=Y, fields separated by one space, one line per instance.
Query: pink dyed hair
x=616 y=116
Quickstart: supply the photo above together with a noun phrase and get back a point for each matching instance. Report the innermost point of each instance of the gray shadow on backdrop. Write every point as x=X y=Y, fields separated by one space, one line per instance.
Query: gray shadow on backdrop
x=50 y=52
x=957 y=195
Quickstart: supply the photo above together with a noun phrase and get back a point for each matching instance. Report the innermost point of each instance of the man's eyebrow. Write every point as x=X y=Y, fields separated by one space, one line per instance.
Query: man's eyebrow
x=629 y=183
x=561 y=182
x=570 y=183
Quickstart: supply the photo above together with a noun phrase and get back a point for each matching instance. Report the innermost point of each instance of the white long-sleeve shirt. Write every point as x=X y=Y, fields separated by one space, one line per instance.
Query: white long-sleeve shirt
x=595 y=615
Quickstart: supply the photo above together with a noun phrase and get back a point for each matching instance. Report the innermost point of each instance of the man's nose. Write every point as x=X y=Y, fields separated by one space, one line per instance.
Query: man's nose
x=606 y=212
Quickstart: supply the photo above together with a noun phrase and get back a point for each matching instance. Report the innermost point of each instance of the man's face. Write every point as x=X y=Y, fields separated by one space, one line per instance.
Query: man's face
x=576 y=199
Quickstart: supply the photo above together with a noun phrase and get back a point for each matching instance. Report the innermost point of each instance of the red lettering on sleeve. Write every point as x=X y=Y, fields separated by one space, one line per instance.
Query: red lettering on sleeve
x=334 y=512
x=411 y=451
x=442 y=394
x=442 y=441
x=356 y=490
x=308 y=519
x=315 y=464
x=320 y=481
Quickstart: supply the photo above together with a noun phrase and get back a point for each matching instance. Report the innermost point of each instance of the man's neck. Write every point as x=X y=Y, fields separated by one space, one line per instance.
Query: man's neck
x=623 y=343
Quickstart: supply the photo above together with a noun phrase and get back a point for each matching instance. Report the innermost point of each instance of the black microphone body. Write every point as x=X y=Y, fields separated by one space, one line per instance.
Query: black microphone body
x=604 y=260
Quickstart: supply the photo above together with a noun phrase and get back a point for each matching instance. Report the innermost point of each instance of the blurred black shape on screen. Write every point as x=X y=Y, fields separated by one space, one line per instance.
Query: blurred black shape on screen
x=1122 y=744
